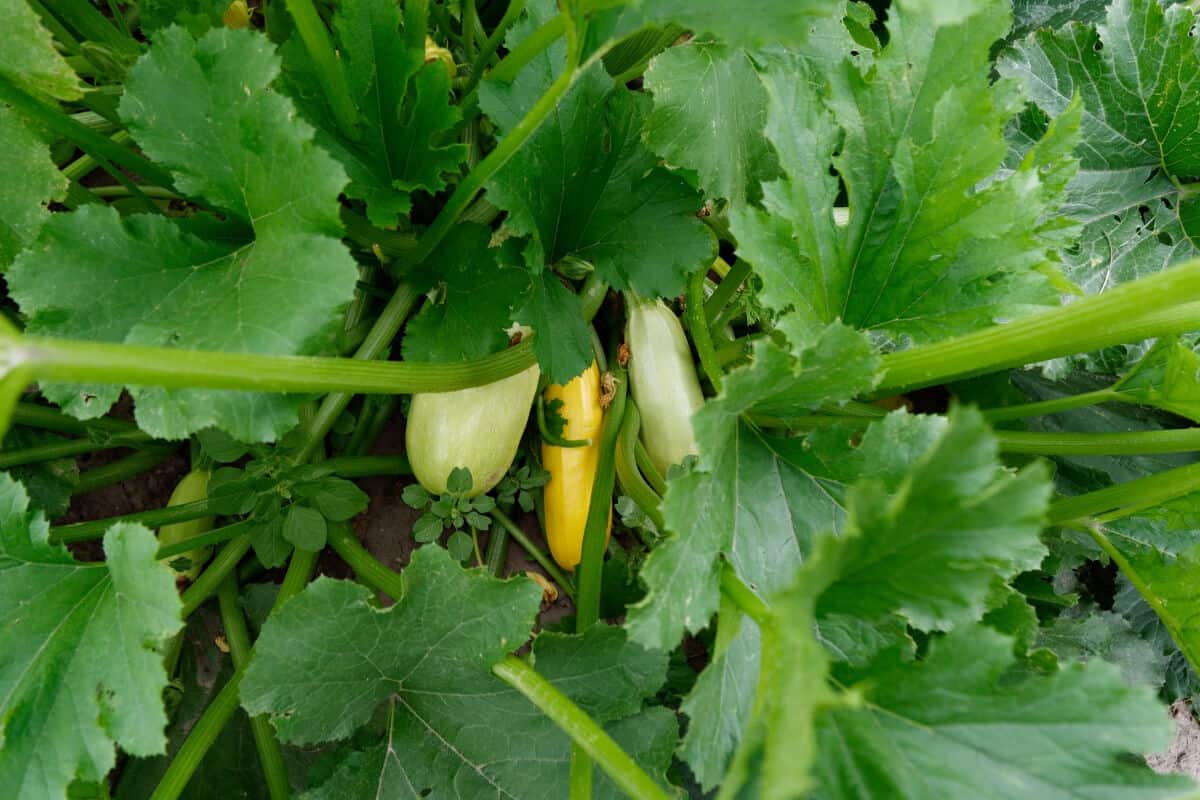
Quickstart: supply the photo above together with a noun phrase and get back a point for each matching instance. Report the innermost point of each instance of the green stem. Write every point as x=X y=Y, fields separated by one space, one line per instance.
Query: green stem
x=374 y=346
x=94 y=529
x=238 y=638
x=737 y=349
x=92 y=25
x=511 y=15
x=328 y=66
x=744 y=597
x=122 y=469
x=395 y=244
x=106 y=152
x=725 y=291
x=1157 y=305
x=470 y=22
x=101 y=362
x=505 y=149
x=377 y=409
x=582 y=729
x=365 y=466
x=591 y=296
x=632 y=482
x=72 y=447
x=153 y=192
x=497 y=552
x=1181 y=440
x=207 y=583
x=595 y=532
x=221 y=709
x=649 y=469
x=534 y=551
x=365 y=566
x=1184 y=642
x=1055 y=406
x=1140 y=493
x=59 y=31
x=51 y=419
x=215 y=536
x=698 y=327
x=199 y=740
x=530 y=48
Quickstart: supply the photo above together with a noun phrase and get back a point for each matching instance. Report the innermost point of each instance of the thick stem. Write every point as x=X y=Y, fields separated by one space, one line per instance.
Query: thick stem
x=1055 y=406
x=328 y=66
x=595 y=532
x=94 y=529
x=631 y=480
x=1137 y=494
x=583 y=730
x=496 y=557
x=1158 y=305
x=215 y=536
x=99 y=362
x=1180 y=440
x=221 y=709
x=217 y=570
x=649 y=469
x=51 y=419
x=744 y=597
x=72 y=447
x=106 y=152
x=374 y=346
x=365 y=566
x=122 y=469
x=536 y=553
x=238 y=639
x=725 y=290
x=698 y=327
x=511 y=15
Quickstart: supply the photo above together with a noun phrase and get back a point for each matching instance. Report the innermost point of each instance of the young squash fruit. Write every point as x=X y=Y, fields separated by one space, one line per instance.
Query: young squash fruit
x=478 y=428
x=573 y=469
x=192 y=488
x=662 y=378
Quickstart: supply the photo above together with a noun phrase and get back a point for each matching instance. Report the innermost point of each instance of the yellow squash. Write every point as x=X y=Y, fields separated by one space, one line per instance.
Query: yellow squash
x=572 y=469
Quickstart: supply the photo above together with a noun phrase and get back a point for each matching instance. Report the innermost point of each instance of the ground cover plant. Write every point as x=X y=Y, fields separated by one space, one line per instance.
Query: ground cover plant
x=598 y=398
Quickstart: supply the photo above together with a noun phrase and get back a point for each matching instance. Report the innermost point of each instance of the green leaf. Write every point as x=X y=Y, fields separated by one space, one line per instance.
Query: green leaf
x=30 y=58
x=83 y=671
x=933 y=544
x=991 y=732
x=1030 y=15
x=270 y=279
x=427 y=528
x=270 y=546
x=1180 y=679
x=779 y=746
x=460 y=546
x=459 y=481
x=328 y=659
x=23 y=203
x=195 y=15
x=772 y=21
x=474 y=300
x=709 y=114
x=566 y=350
x=49 y=484
x=938 y=243
x=336 y=498
x=403 y=104
x=607 y=675
x=304 y=527
x=1109 y=637
x=1133 y=73
x=755 y=498
x=1167 y=377
x=585 y=185
x=599 y=670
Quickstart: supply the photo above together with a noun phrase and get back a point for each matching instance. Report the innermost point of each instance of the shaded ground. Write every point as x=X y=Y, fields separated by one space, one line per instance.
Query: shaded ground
x=1183 y=756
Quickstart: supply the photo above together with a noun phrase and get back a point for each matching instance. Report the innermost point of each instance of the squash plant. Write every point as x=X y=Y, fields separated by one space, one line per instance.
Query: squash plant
x=906 y=291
